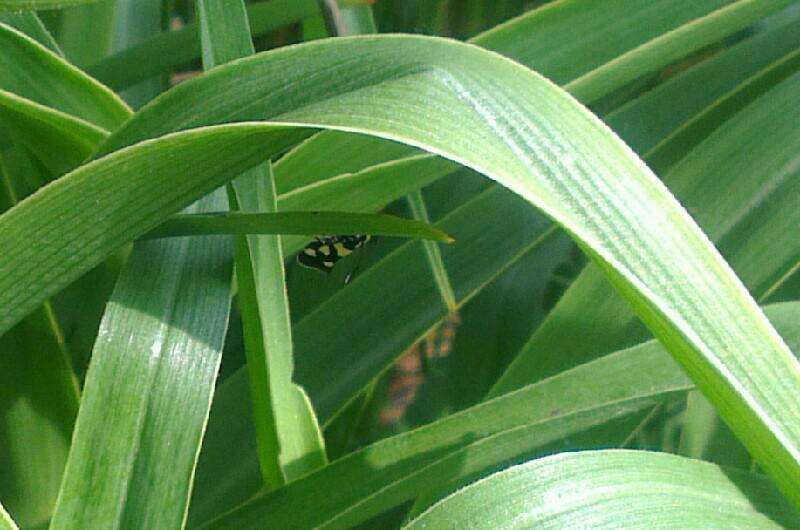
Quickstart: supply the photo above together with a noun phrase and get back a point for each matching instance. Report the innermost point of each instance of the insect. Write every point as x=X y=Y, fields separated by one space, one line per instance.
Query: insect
x=323 y=253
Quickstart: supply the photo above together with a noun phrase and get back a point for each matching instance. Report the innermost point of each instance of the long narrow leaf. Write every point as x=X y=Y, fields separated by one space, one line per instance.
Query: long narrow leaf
x=747 y=204
x=681 y=96
x=52 y=81
x=562 y=40
x=59 y=140
x=149 y=386
x=672 y=46
x=171 y=49
x=307 y=223
x=288 y=435
x=30 y=24
x=599 y=489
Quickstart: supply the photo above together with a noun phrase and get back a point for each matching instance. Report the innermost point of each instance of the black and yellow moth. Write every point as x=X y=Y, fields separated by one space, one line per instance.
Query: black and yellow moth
x=323 y=253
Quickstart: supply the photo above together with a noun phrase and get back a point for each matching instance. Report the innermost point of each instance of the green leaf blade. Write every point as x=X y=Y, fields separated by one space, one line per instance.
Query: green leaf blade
x=298 y=223
x=57 y=83
x=599 y=489
x=265 y=307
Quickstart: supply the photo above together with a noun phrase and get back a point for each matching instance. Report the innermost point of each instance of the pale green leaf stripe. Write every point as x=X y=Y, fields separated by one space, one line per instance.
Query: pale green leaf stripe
x=41 y=4
x=225 y=36
x=304 y=223
x=52 y=81
x=460 y=446
x=6 y=523
x=519 y=129
x=671 y=46
x=61 y=141
x=601 y=489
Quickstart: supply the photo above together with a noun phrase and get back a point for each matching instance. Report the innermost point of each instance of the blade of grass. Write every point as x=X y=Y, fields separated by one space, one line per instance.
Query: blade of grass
x=649 y=119
x=156 y=357
x=53 y=82
x=334 y=364
x=671 y=46
x=135 y=21
x=680 y=93
x=597 y=489
x=39 y=402
x=420 y=212
x=561 y=40
x=748 y=205
x=366 y=191
x=669 y=151
x=598 y=33
x=86 y=32
x=60 y=141
x=39 y=393
x=171 y=49
x=30 y=24
x=297 y=443
x=149 y=387
x=307 y=223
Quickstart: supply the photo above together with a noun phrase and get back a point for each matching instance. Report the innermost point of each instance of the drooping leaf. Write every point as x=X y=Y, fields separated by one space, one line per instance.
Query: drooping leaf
x=754 y=195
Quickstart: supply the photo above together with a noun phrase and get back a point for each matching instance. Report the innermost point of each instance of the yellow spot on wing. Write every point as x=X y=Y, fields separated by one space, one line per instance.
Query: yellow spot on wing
x=341 y=249
x=325 y=250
